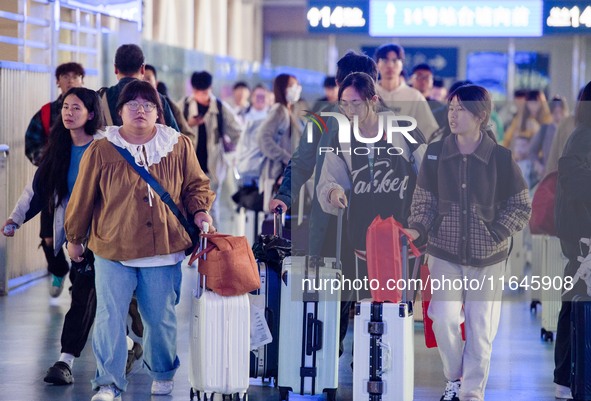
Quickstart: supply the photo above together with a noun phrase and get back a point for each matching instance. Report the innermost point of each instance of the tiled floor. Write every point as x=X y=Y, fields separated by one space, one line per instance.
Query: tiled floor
x=30 y=327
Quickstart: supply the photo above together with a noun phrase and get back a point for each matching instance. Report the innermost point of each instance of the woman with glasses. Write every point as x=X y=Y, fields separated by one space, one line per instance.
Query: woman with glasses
x=277 y=132
x=137 y=241
x=371 y=179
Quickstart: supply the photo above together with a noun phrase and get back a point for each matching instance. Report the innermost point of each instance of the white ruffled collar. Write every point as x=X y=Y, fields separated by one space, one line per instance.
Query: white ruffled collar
x=150 y=152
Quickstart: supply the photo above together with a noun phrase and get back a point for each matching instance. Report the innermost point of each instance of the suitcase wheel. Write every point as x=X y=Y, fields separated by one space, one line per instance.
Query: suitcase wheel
x=284 y=393
x=331 y=395
x=546 y=335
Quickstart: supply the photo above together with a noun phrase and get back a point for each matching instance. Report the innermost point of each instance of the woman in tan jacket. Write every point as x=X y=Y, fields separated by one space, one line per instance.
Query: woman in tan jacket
x=138 y=242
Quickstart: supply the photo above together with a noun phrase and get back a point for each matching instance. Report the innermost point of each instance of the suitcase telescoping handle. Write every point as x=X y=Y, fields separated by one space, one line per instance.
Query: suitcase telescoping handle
x=404 y=242
x=339 y=237
x=201 y=279
x=277 y=226
x=313 y=335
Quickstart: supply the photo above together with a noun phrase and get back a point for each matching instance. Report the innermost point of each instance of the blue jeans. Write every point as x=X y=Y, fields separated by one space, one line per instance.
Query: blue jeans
x=156 y=289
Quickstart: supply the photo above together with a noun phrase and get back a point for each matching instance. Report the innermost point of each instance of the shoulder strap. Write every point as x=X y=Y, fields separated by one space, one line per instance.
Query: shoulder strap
x=437 y=148
x=46 y=118
x=186 y=108
x=220 y=118
x=107 y=110
x=165 y=196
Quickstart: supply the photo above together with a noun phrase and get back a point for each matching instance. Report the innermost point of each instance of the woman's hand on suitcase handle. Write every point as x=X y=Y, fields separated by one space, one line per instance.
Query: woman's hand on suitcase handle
x=275 y=203
x=337 y=198
x=202 y=217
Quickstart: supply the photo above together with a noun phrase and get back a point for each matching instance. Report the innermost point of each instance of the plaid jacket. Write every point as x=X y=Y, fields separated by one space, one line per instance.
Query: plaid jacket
x=469 y=205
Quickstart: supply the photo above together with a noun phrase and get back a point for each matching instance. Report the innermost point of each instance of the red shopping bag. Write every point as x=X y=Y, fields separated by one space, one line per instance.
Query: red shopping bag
x=542 y=206
x=384 y=259
x=430 y=340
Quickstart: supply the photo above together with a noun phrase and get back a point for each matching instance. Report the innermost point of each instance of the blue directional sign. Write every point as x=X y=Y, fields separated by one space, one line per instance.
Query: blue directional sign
x=455 y=18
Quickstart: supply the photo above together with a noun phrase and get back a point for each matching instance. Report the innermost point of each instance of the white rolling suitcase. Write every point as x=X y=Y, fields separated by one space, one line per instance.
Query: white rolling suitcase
x=219 y=346
x=553 y=264
x=309 y=326
x=383 y=355
x=517 y=257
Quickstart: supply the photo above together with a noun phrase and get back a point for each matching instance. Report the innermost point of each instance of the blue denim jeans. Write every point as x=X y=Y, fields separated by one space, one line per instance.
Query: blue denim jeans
x=156 y=289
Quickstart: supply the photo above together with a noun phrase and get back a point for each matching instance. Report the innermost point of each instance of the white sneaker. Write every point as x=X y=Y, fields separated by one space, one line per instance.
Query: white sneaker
x=57 y=285
x=107 y=393
x=452 y=391
x=562 y=392
x=162 y=387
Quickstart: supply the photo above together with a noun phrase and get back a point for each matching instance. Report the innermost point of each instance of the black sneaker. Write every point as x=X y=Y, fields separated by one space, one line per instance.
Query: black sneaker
x=59 y=374
x=452 y=391
x=133 y=355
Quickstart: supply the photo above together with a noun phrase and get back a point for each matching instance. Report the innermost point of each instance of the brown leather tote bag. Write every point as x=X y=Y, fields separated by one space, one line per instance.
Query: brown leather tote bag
x=228 y=265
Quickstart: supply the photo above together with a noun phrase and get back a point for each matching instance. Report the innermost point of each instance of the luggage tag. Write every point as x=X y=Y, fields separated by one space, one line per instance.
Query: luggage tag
x=260 y=334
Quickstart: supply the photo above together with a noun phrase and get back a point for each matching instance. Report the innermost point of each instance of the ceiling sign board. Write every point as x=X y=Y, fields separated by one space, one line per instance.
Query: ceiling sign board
x=568 y=17
x=455 y=18
x=343 y=16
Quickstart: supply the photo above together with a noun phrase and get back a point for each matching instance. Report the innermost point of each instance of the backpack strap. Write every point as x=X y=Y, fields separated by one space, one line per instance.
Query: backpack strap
x=186 y=109
x=155 y=185
x=46 y=118
x=105 y=105
x=220 y=119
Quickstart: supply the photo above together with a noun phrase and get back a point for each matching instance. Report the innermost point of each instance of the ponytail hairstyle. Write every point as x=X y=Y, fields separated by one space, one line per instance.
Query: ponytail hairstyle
x=477 y=101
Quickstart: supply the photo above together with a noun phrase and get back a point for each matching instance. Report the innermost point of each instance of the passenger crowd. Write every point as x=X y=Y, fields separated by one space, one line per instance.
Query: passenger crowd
x=463 y=186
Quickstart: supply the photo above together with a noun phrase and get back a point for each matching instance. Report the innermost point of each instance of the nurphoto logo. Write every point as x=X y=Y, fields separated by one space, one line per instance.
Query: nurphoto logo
x=388 y=123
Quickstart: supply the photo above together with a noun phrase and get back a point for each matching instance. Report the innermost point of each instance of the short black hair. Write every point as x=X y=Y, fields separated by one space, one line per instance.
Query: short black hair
x=383 y=50
x=201 y=80
x=67 y=68
x=422 y=67
x=355 y=62
x=520 y=93
x=150 y=67
x=260 y=85
x=162 y=88
x=240 y=84
x=583 y=109
x=438 y=83
x=329 y=82
x=129 y=59
x=457 y=84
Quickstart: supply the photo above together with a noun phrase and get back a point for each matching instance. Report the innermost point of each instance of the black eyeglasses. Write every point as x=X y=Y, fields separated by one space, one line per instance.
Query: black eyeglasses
x=134 y=106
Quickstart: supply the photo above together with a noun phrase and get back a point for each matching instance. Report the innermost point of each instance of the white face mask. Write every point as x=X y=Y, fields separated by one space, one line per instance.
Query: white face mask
x=292 y=94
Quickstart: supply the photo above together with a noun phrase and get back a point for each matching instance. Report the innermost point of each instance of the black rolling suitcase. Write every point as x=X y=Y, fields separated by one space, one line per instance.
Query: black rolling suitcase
x=270 y=252
x=581 y=348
